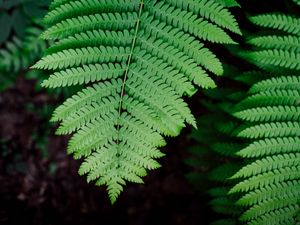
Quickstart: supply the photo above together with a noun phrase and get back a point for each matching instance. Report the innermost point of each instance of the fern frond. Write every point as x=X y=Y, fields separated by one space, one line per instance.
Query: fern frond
x=106 y=21
x=138 y=59
x=84 y=75
x=275 y=129
x=19 y=53
x=268 y=164
x=288 y=43
x=270 y=114
x=280 y=97
x=283 y=216
x=264 y=130
x=85 y=97
x=77 y=57
x=274 y=58
x=92 y=38
x=271 y=146
x=282 y=22
x=269 y=206
x=277 y=83
x=186 y=43
x=271 y=192
x=69 y=9
x=272 y=177
x=209 y=10
x=88 y=113
x=187 y=21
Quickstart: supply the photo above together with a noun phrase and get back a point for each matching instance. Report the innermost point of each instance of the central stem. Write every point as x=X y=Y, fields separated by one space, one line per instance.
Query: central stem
x=127 y=68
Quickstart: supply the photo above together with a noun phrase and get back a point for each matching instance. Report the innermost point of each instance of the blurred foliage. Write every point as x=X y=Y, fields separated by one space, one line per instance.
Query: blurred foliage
x=17 y=15
x=20 y=22
x=212 y=157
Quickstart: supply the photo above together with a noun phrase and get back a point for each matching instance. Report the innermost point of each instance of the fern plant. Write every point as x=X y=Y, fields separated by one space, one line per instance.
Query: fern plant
x=138 y=59
x=19 y=54
x=17 y=15
x=266 y=189
x=271 y=116
x=20 y=47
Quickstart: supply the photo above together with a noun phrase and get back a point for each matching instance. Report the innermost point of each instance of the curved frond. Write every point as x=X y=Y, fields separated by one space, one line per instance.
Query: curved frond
x=269 y=182
x=136 y=59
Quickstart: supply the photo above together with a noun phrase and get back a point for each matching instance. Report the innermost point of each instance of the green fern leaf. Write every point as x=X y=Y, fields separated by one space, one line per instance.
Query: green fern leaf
x=19 y=53
x=67 y=9
x=268 y=178
x=289 y=43
x=274 y=58
x=277 y=83
x=277 y=129
x=270 y=192
x=137 y=60
x=269 y=206
x=262 y=127
x=270 y=146
x=270 y=114
x=281 y=22
x=278 y=97
x=283 y=216
x=268 y=164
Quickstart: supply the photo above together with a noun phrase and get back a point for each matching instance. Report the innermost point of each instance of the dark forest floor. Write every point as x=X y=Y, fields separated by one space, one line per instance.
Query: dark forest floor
x=39 y=184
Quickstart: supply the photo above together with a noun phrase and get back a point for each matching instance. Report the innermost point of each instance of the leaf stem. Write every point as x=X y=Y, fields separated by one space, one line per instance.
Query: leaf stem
x=127 y=68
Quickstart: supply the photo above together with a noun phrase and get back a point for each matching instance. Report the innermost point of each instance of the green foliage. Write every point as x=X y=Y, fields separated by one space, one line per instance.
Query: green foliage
x=276 y=52
x=137 y=61
x=228 y=3
x=270 y=181
x=20 y=23
x=137 y=58
x=297 y=2
x=19 y=54
x=280 y=22
x=16 y=15
x=263 y=126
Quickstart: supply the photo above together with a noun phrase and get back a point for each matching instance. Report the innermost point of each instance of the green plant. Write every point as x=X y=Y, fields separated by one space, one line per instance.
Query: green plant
x=138 y=58
x=264 y=127
x=17 y=15
x=20 y=22
x=18 y=54
x=271 y=115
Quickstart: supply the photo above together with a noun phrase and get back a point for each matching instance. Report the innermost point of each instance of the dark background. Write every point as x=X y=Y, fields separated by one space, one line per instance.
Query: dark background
x=39 y=184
